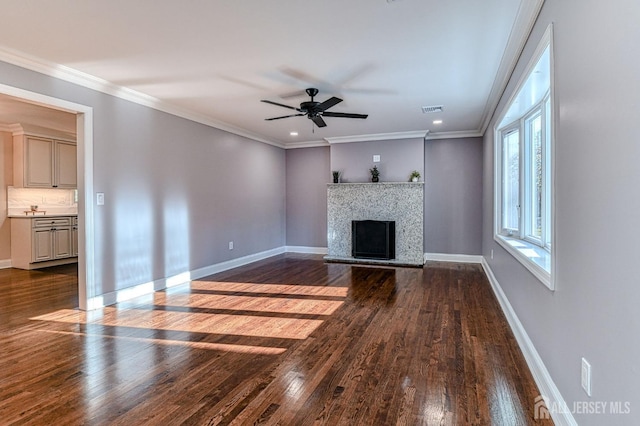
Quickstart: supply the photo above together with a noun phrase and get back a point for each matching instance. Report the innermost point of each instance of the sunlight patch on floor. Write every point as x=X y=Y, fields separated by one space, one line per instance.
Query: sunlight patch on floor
x=258 y=311
x=240 y=325
x=308 y=290
x=245 y=349
x=251 y=303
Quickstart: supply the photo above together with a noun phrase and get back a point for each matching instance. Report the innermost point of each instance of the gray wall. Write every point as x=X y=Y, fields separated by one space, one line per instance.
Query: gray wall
x=451 y=168
x=594 y=313
x=308 y=172
x=453 y=196
x=398 y=159
x=176 y=191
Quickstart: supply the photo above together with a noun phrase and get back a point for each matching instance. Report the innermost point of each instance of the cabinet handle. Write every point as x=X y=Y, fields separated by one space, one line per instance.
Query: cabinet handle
x=55 y=186
x=54 y=229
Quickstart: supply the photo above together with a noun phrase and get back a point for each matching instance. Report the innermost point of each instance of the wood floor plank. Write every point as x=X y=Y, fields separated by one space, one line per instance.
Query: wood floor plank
x=288 y=340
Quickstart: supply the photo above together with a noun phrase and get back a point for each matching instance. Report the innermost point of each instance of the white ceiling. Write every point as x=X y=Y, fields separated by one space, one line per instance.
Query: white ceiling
x=16 y=111
x=214 y=61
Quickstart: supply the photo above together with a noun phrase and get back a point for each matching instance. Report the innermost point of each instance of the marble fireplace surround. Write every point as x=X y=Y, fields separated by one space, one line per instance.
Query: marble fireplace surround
x=402 y=202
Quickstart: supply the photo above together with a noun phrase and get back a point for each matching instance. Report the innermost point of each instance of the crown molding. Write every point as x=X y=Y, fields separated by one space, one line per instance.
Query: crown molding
x=307 y=144
x=378 y=137
x=454 y=135
x=80 y=78
x=528 y=12
x=33 y=130
x=11 y=128
x=386 y=136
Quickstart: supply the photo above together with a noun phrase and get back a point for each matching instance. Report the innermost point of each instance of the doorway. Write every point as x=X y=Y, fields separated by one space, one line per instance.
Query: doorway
x=84 y=134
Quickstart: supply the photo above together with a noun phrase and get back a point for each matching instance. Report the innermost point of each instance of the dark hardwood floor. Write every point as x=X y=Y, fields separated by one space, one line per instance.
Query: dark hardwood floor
x=289 y=340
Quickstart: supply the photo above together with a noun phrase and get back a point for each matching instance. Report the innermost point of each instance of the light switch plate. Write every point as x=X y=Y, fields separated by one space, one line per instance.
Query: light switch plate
x=376 y=158
x=100 y=198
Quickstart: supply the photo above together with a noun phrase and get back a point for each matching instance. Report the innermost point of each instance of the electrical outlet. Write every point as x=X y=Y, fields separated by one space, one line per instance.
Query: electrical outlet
x=376 y=158
x=585 y=376
x=100 y=198
x=230 y=245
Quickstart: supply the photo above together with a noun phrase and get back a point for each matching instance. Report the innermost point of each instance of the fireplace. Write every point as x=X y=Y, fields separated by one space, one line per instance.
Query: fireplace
x=400 y=202
x=373 y=239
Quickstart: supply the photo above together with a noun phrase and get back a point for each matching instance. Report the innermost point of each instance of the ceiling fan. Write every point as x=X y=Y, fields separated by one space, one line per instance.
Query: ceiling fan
x=315 y=110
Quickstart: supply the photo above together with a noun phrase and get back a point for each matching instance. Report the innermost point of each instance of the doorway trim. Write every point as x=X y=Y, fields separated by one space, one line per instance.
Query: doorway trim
x=84 y=134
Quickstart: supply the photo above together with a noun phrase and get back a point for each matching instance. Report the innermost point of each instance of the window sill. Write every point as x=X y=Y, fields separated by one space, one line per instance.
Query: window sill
x=536 y=259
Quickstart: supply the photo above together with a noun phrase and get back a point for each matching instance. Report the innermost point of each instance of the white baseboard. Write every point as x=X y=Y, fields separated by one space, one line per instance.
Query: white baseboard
x=121 y=295
x=547 y=387
x=234 y=263
x=461 y=258
x=5 y=263
x=303 y=249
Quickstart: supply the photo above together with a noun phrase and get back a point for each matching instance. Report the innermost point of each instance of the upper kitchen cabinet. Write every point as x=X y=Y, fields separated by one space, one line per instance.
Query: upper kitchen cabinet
x=65 y=162
x=44 y=161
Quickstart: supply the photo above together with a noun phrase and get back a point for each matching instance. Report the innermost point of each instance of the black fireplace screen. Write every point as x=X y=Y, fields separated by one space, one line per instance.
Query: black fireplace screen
x=373 y=239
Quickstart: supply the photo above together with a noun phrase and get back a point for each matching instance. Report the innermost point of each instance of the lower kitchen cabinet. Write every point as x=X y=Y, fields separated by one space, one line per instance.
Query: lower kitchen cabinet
x=41 y=242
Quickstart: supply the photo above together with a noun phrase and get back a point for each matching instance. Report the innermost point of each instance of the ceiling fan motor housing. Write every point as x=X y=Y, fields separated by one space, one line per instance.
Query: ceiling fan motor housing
x=309 y=106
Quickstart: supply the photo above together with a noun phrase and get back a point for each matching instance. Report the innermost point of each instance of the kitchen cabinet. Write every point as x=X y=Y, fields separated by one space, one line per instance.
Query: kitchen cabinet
x=44 y=162
x=65 y=164
x=41 y=242
x=51 y=238
x=74 y=236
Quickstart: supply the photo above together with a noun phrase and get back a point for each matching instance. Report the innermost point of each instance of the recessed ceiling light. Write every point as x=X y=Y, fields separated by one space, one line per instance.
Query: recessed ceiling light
x=293 y=133
x=437 y=121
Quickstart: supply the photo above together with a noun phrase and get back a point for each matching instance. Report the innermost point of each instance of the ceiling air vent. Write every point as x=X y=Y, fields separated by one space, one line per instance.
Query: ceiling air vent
x=430 y=109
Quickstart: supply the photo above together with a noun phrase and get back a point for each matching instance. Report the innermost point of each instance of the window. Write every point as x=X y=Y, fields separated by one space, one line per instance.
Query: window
x=511 y=179
x=524 y=150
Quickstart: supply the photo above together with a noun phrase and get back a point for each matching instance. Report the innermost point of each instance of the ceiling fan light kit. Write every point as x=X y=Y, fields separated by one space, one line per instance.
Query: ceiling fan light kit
x=315 y=110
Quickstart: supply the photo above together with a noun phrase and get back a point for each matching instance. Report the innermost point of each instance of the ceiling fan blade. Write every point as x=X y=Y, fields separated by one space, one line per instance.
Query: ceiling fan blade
x=328 y=103
x=284 y=116
x=344 y=115
x=295 y=94
x=319 y=121
x=277 y=104
x=303 y=77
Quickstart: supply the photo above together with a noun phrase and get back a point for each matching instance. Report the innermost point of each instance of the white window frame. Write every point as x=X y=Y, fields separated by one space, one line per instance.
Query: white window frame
x=526 y=234
x=536 y=254
x=504 y=132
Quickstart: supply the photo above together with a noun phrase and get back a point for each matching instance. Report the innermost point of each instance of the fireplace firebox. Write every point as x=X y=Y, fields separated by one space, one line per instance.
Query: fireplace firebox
x=373 y=239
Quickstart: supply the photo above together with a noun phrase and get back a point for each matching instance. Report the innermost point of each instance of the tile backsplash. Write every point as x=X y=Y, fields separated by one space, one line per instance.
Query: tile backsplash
x=53 y=201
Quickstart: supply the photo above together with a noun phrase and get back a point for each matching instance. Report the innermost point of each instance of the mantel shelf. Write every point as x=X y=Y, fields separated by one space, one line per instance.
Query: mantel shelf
x=376 y=183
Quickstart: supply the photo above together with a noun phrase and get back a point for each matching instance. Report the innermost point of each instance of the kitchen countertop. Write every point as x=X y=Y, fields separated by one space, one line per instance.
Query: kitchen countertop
x=18 y=215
